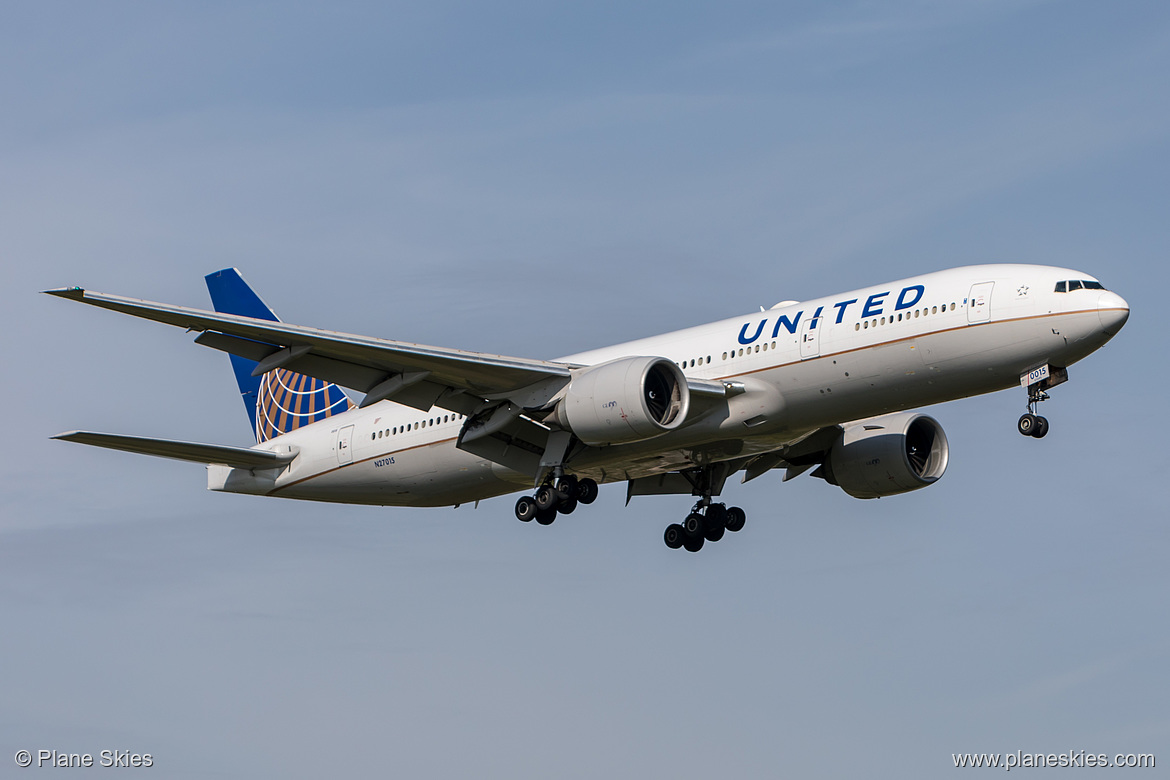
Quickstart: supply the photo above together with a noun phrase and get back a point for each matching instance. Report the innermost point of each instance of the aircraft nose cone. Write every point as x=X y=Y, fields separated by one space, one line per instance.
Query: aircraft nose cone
x=1113 y=311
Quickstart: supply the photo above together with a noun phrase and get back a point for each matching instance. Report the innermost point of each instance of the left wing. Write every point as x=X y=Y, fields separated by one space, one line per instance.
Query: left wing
x=411 y=374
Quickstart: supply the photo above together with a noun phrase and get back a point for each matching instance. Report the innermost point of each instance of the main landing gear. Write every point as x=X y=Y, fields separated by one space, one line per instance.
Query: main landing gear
x=548 y=501
x=707 y=522
x=1032 y=424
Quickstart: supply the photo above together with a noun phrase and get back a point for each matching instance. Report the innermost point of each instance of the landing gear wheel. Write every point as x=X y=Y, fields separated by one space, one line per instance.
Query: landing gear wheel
x=1041 y=427
x=567 y=507
x=693 y=526
x=673 y=536
x=693 y=544
x=717 y=515
x=736 y=517
x=1027 y=424
x=567 y=488
x=586 y=491
x=546 y=516
x=525 y=509
x=546 y=497
x=714 y=532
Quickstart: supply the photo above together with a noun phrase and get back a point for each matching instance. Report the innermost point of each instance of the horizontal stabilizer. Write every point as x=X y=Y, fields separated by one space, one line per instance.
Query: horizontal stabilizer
x=240 y=457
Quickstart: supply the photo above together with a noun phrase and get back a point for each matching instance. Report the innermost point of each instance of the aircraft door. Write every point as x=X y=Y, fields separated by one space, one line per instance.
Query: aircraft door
x=810 y=338
x=979 y=304
x=345 y=445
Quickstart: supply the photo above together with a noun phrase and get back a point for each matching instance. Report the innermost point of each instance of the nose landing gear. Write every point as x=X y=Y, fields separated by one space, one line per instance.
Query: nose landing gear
x=1032 y=424
x=1036 y=382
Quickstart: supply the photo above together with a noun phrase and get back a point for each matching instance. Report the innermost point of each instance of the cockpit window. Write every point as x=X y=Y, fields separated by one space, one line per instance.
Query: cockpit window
x=1075 y=284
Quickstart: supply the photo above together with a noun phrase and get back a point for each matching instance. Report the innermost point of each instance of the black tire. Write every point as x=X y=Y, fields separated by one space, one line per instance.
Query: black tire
x=1041 y=428
x=736 y=518
x=1027 y=424
x=546 y=516
x=546 y=497
x=714 y=533
x=694 y=524
x=673 y=536
x=525 y=509
x=567 y=507
x=692 y=545
x=586 y=491
x=717 y=515
x=567 y=487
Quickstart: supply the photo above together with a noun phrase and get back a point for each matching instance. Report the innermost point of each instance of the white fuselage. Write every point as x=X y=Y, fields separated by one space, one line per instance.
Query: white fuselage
x=902 y=345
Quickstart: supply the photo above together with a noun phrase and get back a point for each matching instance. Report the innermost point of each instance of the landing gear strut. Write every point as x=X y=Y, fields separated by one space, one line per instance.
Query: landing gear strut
x=707 y=522
x=549 y=500
x=1037 y=381
x=1032 y=424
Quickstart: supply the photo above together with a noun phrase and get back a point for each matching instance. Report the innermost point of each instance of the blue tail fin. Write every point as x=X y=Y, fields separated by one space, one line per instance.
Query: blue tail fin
x=278 y=401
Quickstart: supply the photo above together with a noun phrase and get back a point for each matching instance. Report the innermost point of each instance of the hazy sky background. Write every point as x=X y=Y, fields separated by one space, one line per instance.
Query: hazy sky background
x=535 y=179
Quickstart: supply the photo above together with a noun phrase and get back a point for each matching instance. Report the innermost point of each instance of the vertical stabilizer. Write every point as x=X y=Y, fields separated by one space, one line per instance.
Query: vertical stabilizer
x=280 y=400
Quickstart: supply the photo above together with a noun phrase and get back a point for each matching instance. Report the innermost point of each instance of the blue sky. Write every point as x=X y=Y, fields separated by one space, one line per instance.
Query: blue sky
x=535 y=179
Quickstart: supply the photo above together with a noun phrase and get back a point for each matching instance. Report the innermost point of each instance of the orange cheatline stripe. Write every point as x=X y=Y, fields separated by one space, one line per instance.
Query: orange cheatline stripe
x=965 y=326
x=363 y=460
x=745 y=373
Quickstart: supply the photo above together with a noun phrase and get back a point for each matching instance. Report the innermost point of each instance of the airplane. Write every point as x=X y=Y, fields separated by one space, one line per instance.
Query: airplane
x=827 y=385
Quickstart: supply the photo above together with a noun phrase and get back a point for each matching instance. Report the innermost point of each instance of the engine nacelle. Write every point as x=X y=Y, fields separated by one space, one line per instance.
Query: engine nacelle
x=888 y=455
x=626 y=400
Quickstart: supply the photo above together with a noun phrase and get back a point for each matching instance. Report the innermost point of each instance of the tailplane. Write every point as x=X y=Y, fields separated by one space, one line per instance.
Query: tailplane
x=278 y=401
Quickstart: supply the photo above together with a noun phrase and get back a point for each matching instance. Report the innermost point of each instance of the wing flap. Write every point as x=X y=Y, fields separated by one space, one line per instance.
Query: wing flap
x=240 y=457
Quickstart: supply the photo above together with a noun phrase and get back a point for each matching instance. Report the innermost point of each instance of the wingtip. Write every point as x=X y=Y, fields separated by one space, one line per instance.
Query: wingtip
x=66 y=436
x=74 y=293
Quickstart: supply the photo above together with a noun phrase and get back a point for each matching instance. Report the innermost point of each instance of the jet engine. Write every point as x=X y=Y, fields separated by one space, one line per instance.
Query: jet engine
x=887 y=455
x=626 y=400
